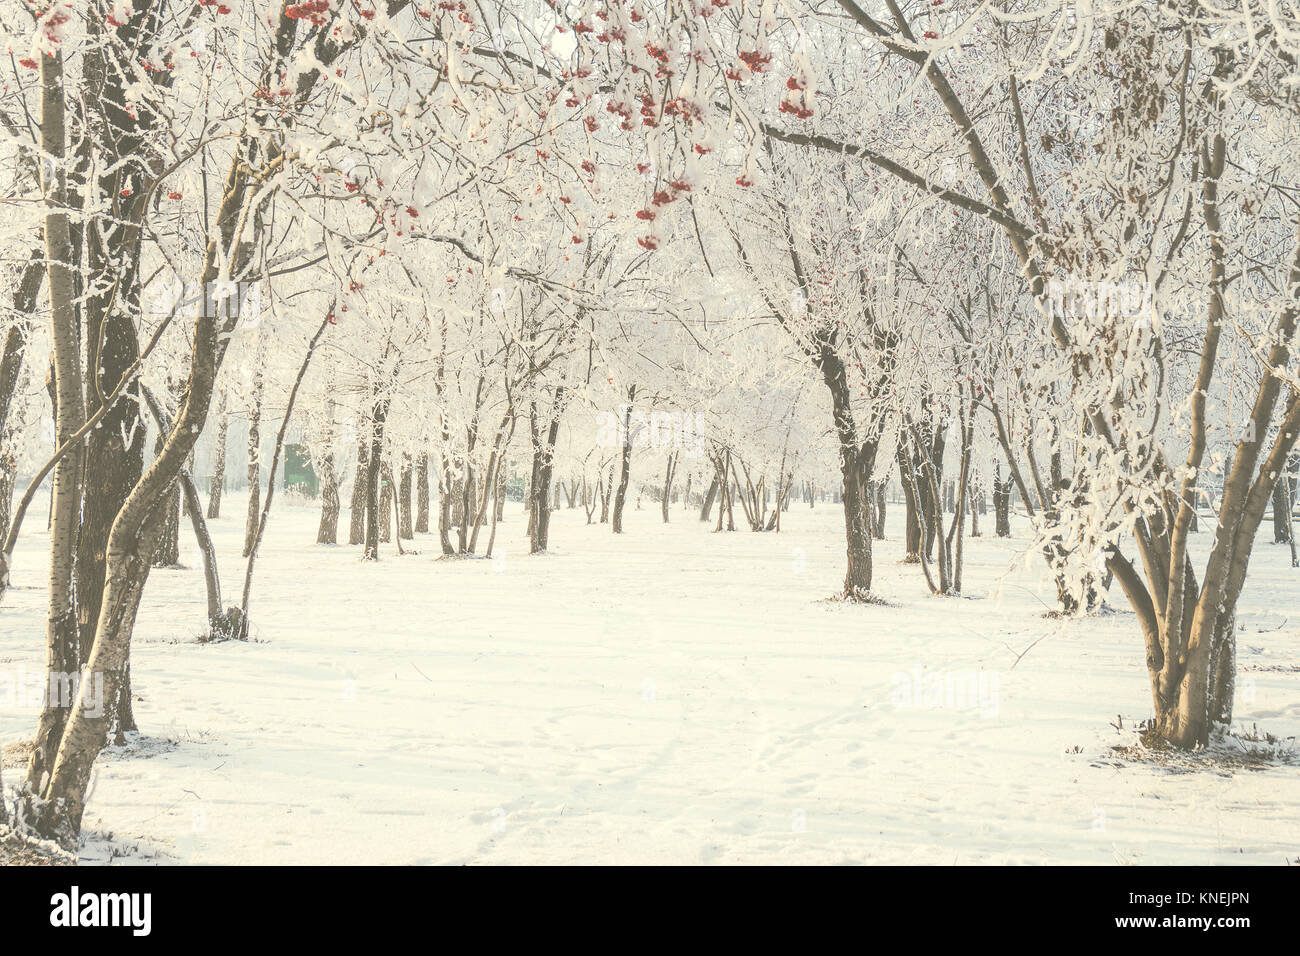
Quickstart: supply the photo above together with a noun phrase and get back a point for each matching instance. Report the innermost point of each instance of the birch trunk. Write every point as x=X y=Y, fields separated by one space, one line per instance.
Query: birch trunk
x=61 y=639
x=217 y=483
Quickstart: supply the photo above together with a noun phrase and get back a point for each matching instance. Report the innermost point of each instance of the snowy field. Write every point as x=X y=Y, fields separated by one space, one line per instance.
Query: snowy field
x=665 y=696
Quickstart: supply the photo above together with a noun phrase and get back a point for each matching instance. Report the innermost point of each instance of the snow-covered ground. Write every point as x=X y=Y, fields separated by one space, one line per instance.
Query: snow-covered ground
x=665 y=696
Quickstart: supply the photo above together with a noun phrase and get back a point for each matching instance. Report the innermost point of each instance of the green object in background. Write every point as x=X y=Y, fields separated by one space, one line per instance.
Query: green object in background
x=298 y=472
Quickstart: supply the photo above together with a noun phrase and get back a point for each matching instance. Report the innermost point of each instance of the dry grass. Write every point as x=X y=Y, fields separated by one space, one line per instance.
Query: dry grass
x=1227 y=752
x=858 y=598
x=17 y=849
x=16 y=754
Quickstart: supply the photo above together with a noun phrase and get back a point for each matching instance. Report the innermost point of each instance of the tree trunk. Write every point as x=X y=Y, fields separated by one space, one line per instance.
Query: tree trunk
x=254 y=462
x=207 y=551
x=115 y=461
x=1281 y=509
x=61 y=655
x=728 y=494
x=857 y=530
x=328 y=530
x=405 y=524
x=465 y=505
x=668 y=485
x=707 y=506
x=620 y=497
x=543 y=471
x=606 y=491
x=276 y=452
x=445 y=494
x=217 y=483
x=422 y=494
x=911 y=505
x=386 y=496
x=357 y=515
x=498 y=486
x=8 y=472
x=373 y=461
x=11 y=365
x=1001 y=504
x=168 y=554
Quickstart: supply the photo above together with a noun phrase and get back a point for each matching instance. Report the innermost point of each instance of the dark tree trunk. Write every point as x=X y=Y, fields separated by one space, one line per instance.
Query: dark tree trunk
x=857 y=522
x=625 y=472
x=406 y=527
x=373 y=461
x=357 y=517
x=707 y=506
x=1281 y=508
x=168 y=554
x=220 y=626
x=114 y=463
x=543 y=471
x=668 y=485
x=912 y=521
x=386 y=492
x=540 y=520
x=116 y=468
x=929 y=498
x=328 y=532
x=465 y=507
x=728 y=495
x=1001 y=504
x=11 y=364
x=11 y=358
x=445 y=494
x=458 y=502
x=606 y=492
x=422 y=494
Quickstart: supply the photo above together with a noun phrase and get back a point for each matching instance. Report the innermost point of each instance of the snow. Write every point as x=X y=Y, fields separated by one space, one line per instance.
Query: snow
x=665 y=696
